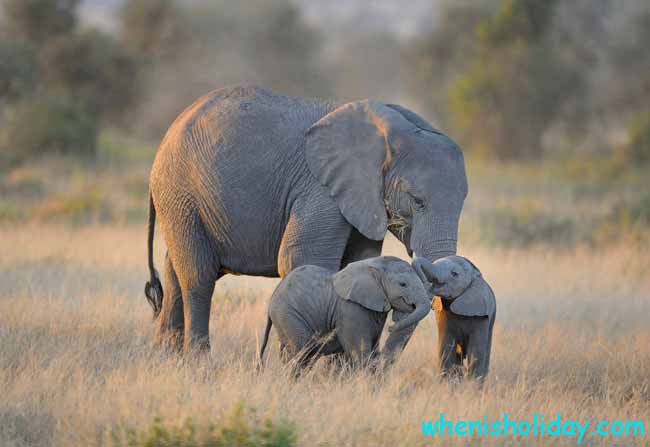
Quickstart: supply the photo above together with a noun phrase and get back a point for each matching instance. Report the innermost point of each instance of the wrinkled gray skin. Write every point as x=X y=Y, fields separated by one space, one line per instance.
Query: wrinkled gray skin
x=247 y=181
x=316 y=312
x=466 y=319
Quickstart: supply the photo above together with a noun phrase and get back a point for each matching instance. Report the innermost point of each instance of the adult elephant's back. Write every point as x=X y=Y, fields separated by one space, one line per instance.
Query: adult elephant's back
x=232 y=161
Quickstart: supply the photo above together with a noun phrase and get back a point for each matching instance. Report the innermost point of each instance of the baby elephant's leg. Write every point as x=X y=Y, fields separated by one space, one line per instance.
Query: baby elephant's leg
x=285 y=354
x=478 y=349
x=360 y=347
x=449 y=339
x=297 y=342
x=306 y=355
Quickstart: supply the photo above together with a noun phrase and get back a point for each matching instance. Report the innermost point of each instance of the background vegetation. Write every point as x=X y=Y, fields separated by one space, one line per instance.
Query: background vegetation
x=549 y=100
x=510 y=79
x=554 y=92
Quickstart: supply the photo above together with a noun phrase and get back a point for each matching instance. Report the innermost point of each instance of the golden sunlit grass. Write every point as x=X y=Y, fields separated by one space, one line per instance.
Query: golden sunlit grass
x=77 y=361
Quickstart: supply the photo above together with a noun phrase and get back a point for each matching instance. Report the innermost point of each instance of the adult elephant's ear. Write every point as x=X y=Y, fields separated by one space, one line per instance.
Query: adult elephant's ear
x=477 y=301
x=414 y=118
x=361 y=282
x=348 y=151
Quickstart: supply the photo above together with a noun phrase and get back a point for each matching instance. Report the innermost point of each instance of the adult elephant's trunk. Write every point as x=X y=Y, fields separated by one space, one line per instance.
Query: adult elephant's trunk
x=422 y=309
x=435 y=237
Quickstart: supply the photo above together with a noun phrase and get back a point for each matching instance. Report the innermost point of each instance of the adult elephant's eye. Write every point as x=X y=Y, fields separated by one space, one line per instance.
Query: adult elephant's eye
x=417 y=201
x=402 y=284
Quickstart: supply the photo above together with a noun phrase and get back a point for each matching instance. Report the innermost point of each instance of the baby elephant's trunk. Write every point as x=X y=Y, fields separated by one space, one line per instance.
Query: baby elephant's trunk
x=422 y=309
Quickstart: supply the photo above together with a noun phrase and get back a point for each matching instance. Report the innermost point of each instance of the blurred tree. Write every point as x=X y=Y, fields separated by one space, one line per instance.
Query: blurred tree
x=153 y=29
x=436 y=59
x=18 y=69
x=287 y=50
x=627 y=85
x=93 y=67
x=58 y=84
x=40 y=20
x=255 y=42
x=628 y=61
x=525 y=21
x=498 y=74
x=367 y=65
x=518 y=83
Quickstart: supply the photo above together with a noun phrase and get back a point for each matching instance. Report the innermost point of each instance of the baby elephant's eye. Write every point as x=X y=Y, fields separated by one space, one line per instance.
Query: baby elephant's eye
x=454 y=274
x=402 y=284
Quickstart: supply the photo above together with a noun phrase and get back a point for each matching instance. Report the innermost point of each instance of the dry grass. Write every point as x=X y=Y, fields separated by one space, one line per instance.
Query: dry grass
x=76 y=357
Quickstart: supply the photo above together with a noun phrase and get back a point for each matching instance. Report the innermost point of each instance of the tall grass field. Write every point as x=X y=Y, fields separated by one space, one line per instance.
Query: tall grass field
x=78 y=366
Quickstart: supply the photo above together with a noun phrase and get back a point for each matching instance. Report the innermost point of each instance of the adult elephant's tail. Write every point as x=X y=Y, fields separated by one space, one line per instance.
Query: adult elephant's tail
x=267 y=331
x=153 y=289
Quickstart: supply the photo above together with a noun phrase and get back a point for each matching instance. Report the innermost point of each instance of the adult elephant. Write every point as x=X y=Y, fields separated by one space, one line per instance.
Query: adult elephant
x=248 y=181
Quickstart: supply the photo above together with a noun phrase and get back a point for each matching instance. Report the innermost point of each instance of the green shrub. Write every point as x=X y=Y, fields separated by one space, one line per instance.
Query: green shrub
x=626 y=221
x=119 y=148
x=79 y=208
x=137 y=186
x=637 y=149
x=22 y=182
x=524 y=226
x=48 y=124
x=241 y=429
x=640 y=210
x=520 y=226
x=10 y=211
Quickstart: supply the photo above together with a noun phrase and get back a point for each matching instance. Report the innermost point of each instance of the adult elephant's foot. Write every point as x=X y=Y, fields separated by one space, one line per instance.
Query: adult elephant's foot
x=168 y=338
x=197 y=346
x=171 y=342
x=170 y=324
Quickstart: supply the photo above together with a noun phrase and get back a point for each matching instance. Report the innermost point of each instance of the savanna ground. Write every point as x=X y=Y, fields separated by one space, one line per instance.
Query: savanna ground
x=564 y=244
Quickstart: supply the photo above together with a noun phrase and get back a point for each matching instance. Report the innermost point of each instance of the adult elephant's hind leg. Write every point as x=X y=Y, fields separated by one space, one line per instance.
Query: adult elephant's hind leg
x=197 y=300
x=171 y=325
x=197 y=267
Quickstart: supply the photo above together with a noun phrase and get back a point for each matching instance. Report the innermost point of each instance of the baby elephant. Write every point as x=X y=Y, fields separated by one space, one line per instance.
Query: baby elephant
x=317 y=312
x=465 y=310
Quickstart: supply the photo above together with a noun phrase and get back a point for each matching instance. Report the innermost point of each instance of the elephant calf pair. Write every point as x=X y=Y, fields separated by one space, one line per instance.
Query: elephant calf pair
x=317 y=312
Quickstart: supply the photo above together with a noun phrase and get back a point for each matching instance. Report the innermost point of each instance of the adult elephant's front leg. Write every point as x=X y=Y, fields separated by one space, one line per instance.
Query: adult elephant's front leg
x=359 y=247
x=316 y=234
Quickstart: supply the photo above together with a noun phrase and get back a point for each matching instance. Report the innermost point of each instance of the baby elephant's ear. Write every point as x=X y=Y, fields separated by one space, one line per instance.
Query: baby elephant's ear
x=361 y=283
x=477 y=301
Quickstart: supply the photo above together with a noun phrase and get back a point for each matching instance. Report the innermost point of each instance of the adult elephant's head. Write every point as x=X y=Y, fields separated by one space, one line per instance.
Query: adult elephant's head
x=387 y=168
